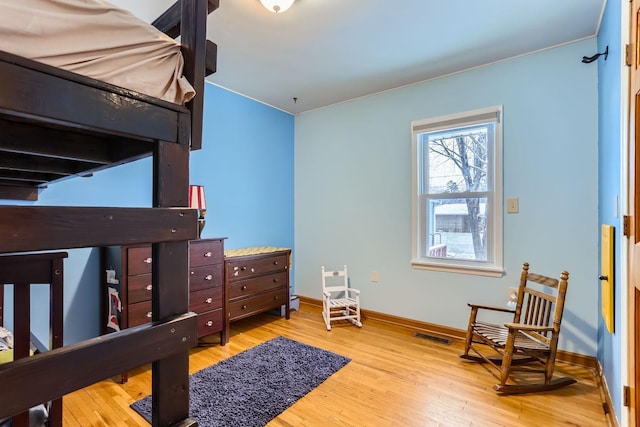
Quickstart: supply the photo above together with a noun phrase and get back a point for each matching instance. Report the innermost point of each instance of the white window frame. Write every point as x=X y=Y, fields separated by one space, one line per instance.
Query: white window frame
x=494 y=265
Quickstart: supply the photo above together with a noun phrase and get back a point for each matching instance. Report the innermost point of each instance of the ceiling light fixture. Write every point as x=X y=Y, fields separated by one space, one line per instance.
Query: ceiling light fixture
x=277 y=6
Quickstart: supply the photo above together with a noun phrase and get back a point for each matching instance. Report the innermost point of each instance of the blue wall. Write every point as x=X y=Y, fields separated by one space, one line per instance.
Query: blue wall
x=609 y=164
x=246 y=166
x=353 y=190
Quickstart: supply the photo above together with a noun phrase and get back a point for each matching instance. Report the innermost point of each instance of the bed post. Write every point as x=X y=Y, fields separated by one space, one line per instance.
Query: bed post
x=170 y=280
x=193 y=38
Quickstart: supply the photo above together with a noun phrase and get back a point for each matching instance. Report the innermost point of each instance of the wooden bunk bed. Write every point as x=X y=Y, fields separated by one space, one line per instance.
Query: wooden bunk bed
x=55 y=125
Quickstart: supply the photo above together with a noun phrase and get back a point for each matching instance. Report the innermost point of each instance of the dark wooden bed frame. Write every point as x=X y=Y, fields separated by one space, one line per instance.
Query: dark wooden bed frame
x=22 y=271
x=56 y=125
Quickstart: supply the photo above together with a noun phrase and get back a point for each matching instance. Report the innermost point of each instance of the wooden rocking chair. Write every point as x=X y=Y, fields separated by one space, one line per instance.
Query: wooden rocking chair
x=531 y=337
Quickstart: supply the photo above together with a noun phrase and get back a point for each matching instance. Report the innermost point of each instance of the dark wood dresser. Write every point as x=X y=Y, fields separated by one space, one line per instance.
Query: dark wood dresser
x=256 y=280
x=206 y=285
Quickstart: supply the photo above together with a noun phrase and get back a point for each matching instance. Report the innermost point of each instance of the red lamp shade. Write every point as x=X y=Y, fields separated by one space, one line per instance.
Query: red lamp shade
x=196 y=197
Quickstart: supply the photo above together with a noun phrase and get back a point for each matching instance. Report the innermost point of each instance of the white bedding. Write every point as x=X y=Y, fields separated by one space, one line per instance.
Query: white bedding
x=96 y=39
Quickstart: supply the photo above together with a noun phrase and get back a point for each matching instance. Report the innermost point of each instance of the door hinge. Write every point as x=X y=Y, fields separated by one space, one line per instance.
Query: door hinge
x=626 y=398
x=626 y=225
x=627 y=55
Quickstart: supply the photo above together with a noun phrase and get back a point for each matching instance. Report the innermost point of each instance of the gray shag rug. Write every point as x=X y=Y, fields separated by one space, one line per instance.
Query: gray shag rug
x=253 y=387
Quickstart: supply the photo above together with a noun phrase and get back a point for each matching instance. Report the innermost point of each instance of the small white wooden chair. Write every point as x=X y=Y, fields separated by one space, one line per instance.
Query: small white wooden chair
x=339 y=301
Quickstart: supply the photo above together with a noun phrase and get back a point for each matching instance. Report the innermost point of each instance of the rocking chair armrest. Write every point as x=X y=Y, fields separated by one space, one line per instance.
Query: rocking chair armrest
x=492 y=308
x=528 y=328
x=355 y=291
x=326 y=294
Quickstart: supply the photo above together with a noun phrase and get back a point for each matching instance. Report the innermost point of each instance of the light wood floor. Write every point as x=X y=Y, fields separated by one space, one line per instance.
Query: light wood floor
x=394 y=379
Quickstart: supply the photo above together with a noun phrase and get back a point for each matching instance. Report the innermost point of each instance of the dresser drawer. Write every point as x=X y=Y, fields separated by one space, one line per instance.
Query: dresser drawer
x=205 y=252
x=255 y=285
x=210 y=322
x=205 y=300
x=139 y=260
x=208 y=276
x=199 y=302
x=139 y=288
x=139 y=313
x=258 y=303
x=237 y=269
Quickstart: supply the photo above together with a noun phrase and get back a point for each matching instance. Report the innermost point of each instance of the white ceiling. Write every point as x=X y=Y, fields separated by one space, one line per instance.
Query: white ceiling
x=324 y=52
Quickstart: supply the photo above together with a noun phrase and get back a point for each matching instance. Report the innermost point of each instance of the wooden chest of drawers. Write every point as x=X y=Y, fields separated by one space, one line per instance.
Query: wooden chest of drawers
x=206 y=284
x=256 y=282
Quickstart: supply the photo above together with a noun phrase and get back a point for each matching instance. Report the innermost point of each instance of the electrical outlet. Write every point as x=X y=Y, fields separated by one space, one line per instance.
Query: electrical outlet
x=374 y=276
x=513 y=205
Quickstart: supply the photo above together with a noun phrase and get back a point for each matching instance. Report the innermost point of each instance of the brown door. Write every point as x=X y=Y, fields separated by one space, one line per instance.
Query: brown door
x=634 y=206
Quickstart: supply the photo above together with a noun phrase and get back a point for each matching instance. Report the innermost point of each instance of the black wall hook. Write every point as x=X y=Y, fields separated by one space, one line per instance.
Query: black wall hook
x=588 y=59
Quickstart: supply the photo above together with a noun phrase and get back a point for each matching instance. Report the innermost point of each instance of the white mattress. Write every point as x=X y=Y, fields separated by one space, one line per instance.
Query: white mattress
x=98 y=40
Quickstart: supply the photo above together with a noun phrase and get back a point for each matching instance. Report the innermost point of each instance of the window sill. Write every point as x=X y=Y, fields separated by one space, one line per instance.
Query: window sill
x=489 y=270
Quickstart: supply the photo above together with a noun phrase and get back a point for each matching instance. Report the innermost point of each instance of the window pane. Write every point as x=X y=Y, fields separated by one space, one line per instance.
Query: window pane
x=457 y=160
x=457 y=228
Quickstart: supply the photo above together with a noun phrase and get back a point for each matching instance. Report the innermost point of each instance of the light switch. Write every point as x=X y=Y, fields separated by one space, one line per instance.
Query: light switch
x=513 y=205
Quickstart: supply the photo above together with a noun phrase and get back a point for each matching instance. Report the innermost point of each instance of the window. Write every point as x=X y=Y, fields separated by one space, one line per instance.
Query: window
x=457 y=192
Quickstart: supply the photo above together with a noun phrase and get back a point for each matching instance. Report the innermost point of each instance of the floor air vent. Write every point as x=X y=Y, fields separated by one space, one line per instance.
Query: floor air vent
x=432 y=337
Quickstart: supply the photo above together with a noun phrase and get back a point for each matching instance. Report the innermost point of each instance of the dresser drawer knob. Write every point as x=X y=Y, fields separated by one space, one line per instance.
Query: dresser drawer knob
x=207 y=254
x=147 y=260
x=208 y=277
x=253 y=270
x=243 y=268
x=209 y=300
x=149 y=287
x=243 y=288
x=244 y=307
x=275 y=262
x=276 y=297
x=149 y=314
x=209 y=323
x=275 y=280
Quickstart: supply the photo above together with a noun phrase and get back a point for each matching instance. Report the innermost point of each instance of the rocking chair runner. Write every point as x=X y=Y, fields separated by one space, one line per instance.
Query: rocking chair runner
x=531 y=337
x=339 y=301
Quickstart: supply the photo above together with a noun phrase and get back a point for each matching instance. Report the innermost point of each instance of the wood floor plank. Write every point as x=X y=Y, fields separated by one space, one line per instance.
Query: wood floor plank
x=393 y=379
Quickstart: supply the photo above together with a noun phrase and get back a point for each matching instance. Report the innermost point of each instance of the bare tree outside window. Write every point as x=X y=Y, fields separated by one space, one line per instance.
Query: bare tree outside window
x=460 y=162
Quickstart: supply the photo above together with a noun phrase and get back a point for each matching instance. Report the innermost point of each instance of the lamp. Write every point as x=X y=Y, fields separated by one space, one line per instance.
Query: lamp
x=277 y=6
x=196 y=201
